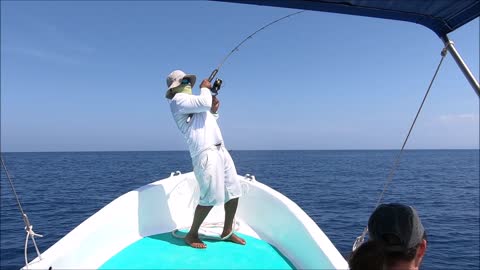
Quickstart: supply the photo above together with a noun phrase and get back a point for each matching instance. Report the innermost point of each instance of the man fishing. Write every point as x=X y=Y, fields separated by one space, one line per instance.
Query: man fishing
x=196 y=117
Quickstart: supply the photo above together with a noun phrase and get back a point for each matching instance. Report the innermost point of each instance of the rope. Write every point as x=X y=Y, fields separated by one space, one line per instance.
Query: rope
x=28 y=226
x=13 y=189
x=361 y=238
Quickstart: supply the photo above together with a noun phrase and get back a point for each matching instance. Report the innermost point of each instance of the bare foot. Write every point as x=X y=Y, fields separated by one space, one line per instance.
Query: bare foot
x=194 y=241
x=234 y=238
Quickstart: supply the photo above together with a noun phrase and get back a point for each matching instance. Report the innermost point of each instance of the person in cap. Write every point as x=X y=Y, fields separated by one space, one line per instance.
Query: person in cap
x=196 y=117
x=397 y=240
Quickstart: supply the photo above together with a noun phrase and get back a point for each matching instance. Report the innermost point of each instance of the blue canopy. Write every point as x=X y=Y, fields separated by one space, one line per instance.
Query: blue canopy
x=441 y=16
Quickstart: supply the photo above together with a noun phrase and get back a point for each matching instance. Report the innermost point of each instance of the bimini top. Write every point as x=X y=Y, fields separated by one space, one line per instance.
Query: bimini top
x=441 y=16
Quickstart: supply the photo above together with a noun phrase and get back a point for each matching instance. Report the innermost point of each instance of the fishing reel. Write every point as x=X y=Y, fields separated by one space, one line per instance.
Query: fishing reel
x=216 y=86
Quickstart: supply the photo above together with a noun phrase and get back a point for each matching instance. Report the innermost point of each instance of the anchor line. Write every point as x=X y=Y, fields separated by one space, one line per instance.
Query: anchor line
x=360 y=239
x=13 y=188
x=28 y=226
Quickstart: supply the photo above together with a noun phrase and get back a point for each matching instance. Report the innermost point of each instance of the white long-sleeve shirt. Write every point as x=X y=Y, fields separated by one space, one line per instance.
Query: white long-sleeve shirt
x=202 y=131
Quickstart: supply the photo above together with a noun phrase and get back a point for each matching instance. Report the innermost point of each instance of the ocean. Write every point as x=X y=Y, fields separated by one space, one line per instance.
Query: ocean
x=337 y=189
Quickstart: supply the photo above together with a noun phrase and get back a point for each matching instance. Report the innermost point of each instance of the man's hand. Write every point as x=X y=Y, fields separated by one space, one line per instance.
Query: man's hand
x=206 y=83
x=215 y=104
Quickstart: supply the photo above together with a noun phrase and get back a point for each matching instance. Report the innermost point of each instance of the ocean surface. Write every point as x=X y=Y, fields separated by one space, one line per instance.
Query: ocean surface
x=337 y=189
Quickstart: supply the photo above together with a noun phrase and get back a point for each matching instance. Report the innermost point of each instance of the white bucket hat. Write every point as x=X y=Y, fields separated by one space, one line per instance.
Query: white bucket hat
x=175 y=78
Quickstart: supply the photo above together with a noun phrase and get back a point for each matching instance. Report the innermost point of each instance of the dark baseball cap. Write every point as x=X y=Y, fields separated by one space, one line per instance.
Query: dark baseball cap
x=397 y=226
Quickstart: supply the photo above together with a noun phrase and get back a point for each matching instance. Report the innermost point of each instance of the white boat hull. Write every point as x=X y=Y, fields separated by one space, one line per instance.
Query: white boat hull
x=168 y=204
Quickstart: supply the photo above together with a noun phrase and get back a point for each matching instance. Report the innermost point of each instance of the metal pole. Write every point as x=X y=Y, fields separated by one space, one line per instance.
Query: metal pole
x=461 y=64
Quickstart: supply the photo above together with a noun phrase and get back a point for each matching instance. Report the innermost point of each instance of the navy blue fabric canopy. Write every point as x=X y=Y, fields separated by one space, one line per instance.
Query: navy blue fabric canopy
x=441 y=16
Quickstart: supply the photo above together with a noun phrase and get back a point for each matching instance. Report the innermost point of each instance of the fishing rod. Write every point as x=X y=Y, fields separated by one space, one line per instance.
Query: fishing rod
x=218 y=82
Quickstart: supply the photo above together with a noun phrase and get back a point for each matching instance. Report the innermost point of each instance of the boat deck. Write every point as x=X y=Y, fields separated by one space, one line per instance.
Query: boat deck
x=163 y=251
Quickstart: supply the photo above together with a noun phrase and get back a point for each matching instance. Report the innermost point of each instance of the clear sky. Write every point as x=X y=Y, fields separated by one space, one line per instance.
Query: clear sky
x=90 y=76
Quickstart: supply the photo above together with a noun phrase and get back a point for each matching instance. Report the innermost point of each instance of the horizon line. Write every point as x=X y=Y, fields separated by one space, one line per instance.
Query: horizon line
x=112 y=151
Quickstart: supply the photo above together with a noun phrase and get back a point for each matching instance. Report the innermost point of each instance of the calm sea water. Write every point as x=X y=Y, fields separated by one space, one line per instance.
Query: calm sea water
x=338 y=189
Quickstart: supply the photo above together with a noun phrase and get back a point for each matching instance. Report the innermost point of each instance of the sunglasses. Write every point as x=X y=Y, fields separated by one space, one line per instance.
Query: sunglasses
x=185 y=81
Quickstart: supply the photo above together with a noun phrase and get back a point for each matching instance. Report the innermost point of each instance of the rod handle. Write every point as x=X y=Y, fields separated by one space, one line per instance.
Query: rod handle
x=212 y=76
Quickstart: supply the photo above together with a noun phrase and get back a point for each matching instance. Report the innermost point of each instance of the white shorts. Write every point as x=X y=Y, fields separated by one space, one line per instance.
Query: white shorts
x=216 y=176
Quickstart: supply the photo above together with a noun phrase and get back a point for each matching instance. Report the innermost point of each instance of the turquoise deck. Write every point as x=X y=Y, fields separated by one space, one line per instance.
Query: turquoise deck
x=163 y=251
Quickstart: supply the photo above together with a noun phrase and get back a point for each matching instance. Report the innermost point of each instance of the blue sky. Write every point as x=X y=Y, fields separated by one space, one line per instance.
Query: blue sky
x=90 y=76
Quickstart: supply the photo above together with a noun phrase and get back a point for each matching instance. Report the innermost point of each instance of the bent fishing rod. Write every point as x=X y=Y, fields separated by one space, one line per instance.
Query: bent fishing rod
x=218 y=82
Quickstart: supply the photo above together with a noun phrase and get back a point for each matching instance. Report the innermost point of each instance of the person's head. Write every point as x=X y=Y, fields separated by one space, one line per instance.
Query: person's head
x=179 y=82
x=398 y=229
